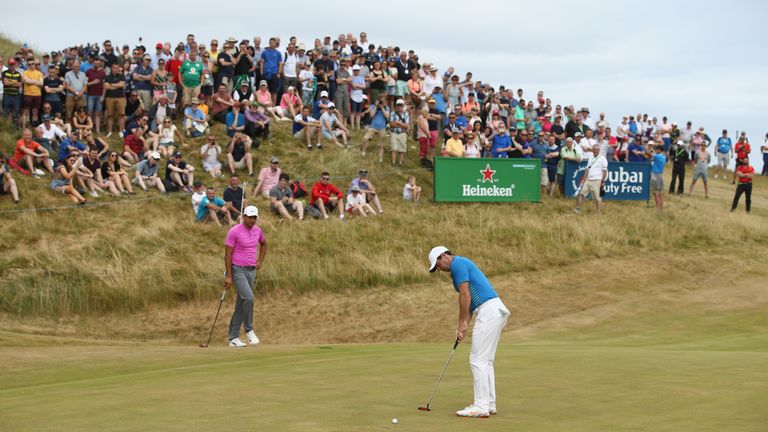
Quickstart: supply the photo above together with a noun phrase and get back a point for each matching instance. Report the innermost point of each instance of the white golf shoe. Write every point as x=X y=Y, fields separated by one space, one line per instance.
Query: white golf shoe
x=472 y=411
x=492 y=411
x=236 y=342
x=252 y=338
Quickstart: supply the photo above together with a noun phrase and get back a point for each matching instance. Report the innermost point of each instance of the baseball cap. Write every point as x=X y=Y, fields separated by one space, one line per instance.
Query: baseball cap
x=331 y=105
x=674 y=123
x=159 y=45
x=433 y=254
x=155 y=155
x=274 y=159
x=323 y=93
x=433 y=68
x=356 y=67
x=251 y=211
x=11 y=62
x=355 y=188
x=680 y=142
x=577 y=134
x=400 y=102
x=244 y=83
x=195 y=101
x=177 y=154
x=46 y=117
x=262 y=82
x=363 y=173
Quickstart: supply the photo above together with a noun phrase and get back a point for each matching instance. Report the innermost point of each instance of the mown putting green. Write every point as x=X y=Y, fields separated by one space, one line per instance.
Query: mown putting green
x=713 y=384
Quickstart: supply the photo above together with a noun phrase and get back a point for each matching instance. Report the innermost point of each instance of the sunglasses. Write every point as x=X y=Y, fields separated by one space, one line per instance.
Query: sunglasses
x=325 y=178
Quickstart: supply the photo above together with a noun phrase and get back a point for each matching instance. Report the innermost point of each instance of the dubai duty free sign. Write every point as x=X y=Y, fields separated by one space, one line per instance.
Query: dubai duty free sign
x=487 y=180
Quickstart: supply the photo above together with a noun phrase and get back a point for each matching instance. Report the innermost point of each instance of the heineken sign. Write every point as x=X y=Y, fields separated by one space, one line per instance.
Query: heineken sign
x=487 y=180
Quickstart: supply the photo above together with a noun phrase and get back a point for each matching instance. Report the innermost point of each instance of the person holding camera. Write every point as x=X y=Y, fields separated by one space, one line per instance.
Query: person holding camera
x=379 y=113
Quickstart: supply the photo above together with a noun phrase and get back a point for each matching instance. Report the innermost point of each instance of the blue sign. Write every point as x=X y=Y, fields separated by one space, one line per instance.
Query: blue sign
x=626 y=180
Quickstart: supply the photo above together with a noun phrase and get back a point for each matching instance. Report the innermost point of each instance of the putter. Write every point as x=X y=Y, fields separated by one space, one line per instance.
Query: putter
x=221 y=301
x=440 y=378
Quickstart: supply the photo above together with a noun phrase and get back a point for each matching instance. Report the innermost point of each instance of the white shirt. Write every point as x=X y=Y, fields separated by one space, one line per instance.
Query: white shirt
x=596 y=167
x=289 y=64
x=586 y=144
x=353 y=201
x=53 y=132
x=430 y=82
x=306 y=77
x=196 y=198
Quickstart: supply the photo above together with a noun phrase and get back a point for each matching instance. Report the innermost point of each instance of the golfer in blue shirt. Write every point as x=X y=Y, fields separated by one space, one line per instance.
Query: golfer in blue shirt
x=476 y=296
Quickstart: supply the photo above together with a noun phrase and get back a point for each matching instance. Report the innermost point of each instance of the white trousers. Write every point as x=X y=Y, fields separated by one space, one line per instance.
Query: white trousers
x=491 y=317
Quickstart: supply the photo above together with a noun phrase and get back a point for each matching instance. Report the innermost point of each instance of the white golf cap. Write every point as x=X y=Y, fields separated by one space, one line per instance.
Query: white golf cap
x=251 y=211
x=356 y=67
x=155 y=155
x=400 y=102
x=433 y=254
x=323 y=93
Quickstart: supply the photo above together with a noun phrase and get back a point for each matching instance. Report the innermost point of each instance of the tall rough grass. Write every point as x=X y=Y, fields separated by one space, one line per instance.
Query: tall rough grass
x=127 y=254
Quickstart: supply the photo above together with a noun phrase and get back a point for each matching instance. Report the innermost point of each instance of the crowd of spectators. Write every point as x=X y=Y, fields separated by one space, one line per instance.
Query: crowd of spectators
x=67 y=102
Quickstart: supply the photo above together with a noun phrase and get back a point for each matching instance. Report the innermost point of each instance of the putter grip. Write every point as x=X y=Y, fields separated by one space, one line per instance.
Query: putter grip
x=455 y=344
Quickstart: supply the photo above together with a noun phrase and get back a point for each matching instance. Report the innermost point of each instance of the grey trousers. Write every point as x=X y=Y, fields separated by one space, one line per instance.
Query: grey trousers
x=242 y=277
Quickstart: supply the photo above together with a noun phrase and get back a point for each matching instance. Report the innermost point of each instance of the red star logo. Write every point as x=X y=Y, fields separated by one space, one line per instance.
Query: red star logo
x=488 y=173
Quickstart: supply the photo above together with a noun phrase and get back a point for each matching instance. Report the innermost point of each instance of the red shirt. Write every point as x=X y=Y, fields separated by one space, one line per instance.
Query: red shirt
x=742 y=149
x=324 y=192
x=95 y=89
x=745 y=169
x=20 y=144
x=173 y=65
x=134 y=143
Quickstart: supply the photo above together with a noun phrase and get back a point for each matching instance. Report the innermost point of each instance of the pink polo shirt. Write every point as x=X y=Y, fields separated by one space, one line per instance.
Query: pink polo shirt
x=245 y=243
x=268 y=178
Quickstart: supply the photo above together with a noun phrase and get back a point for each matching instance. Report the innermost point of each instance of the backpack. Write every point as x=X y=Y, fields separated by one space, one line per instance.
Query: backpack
x=298 y=189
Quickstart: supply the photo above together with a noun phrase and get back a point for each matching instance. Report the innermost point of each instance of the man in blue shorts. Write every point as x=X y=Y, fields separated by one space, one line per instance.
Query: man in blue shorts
x=476 y=296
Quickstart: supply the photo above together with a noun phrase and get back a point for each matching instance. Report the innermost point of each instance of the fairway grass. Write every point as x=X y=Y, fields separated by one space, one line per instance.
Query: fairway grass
x=715 y=383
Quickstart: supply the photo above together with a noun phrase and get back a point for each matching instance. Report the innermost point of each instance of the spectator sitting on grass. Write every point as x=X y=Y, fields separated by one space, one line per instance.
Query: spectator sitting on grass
x=304 y=127
x=326 y=197
x=290 y=105
x=234 y=196
x=93 y=164
x=71 y=145
x=81 y=121
x=366 y=189
x=356 y=203
x=411 y=192
x=239 y=153
x=268 y=178
x=135 y=146
x=195 y=120
x=100 y=144
x=62 y=179
x=49 y=133
x=7 y=183
x=28 y=153
x=256 y=123
x=332 y=128
x=197 y=196
x=235 y=121
x=222 y=102
x=209 y=153
x=454 y=147
x=179 y=173
x=281 y=199
x=112 y=170
x=146 y=173
x=213 y=208
x=166 y=132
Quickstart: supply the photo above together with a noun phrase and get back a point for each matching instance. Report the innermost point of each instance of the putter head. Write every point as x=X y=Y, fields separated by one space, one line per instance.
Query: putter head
x=424 y=408
x=203 y=345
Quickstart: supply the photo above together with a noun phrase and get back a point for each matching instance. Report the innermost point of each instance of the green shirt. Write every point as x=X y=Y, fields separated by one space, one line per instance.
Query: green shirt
x=520 y=117
x=191 y=73
x=565 y=152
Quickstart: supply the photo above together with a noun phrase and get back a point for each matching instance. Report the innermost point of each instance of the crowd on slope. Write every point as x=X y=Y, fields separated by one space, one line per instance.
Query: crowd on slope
x=67 y=102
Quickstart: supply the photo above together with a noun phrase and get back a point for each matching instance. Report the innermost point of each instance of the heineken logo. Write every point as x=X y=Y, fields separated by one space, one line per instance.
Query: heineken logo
x=490 y=191
x=488 y=173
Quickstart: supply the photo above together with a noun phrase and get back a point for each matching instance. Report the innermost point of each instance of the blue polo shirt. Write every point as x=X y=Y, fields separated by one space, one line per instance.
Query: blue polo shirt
x=231 y=119
x=439 y=102
x=379 y=121
x=659 y=160
x=500 y=142
x=723 y=145
x=272 y=59
x=539 y=150
x=480 y=289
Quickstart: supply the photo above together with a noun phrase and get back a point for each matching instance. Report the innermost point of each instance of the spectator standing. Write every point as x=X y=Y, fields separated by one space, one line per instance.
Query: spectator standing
x=744 y=172
x=142 y=80
x=12 y=84
x=567 y=153
x=742 y=150
x=246 y=248
x=593 y=181
x=271 y=68
x=657 y=175
x=191 y=72
x=75 y=86
x=114 y=96
x=679 y=155
x=724 y=154
x=701 y=159
x=400 y=124
x=33 y=92
x=234 y=196
x=764 y=151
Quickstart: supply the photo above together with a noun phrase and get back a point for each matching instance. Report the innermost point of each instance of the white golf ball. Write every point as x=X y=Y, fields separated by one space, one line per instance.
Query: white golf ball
x=394 y=421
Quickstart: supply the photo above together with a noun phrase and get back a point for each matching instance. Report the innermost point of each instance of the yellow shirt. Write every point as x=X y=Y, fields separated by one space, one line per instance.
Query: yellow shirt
x=31 y=89
x=454 y=147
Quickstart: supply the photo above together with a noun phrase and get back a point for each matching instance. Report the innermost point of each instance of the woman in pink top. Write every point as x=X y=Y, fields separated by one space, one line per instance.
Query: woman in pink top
x=290 y=105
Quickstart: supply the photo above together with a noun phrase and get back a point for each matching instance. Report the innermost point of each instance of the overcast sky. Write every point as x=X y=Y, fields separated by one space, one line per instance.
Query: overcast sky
x=699 y=61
